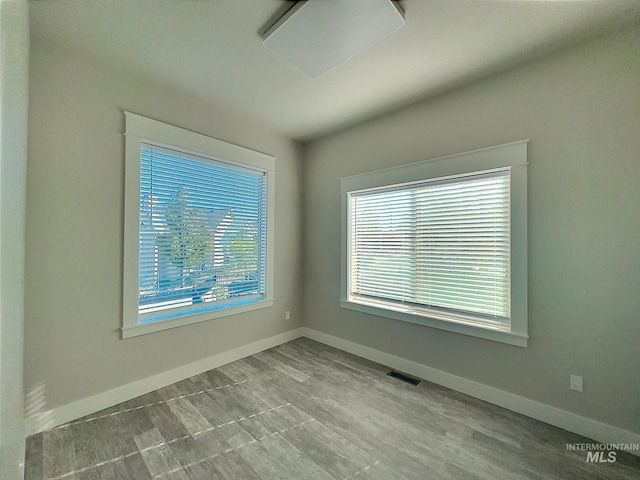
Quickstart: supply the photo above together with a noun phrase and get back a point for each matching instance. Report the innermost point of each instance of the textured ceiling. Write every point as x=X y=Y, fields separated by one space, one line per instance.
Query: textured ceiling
x=213 y=49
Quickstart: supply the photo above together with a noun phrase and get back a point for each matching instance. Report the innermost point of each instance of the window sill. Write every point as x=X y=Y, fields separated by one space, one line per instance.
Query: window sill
x=487 y=333
x=144 y=328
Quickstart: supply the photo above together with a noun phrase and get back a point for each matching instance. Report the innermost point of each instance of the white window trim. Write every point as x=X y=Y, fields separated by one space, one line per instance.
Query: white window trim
x=511 y=155
x=140 y=130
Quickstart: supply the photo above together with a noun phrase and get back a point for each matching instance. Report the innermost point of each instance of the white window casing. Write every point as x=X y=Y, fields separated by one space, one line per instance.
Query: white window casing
x=187 y=197
x=441 y=243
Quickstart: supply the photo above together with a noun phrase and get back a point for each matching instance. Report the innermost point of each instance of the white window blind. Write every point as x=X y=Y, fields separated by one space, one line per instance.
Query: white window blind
x=439 y=247
x=203 y=234
x=198 y=228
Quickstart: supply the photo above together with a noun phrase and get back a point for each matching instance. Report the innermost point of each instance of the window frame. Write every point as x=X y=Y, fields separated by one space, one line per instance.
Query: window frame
x=511 y=156
x=140 y=130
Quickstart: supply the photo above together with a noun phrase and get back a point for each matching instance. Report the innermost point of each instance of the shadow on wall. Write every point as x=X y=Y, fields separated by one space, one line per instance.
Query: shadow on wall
x=35 y=402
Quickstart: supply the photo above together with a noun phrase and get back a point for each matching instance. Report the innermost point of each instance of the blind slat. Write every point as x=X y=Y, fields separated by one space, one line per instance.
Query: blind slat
x=441 y=245
x=202 y=232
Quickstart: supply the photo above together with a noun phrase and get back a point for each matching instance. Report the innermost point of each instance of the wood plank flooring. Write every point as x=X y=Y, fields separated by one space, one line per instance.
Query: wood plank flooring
x=304 y=410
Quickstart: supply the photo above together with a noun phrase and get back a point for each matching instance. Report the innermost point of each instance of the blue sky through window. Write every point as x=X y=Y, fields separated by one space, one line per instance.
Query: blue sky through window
x=202 y=231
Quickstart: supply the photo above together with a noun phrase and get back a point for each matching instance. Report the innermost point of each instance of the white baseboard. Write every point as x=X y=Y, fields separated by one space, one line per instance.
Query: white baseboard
x=572 y=422
x=593 y=429
x=78 y=409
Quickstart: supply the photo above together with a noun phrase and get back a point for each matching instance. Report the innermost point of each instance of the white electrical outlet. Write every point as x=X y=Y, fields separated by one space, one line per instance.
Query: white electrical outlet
x=575 y=383
x=287 y=315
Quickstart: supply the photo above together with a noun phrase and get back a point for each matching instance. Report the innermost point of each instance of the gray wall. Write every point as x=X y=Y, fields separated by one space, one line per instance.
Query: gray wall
x=581 y=110
x=74 y=249
x=14 y=74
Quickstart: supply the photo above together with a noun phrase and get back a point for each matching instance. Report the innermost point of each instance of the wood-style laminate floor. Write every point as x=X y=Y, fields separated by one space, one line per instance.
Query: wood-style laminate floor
x=302 y=411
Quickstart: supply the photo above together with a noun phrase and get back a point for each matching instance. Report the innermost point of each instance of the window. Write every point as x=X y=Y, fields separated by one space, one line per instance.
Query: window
x=441 y=243
x=198 y=222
